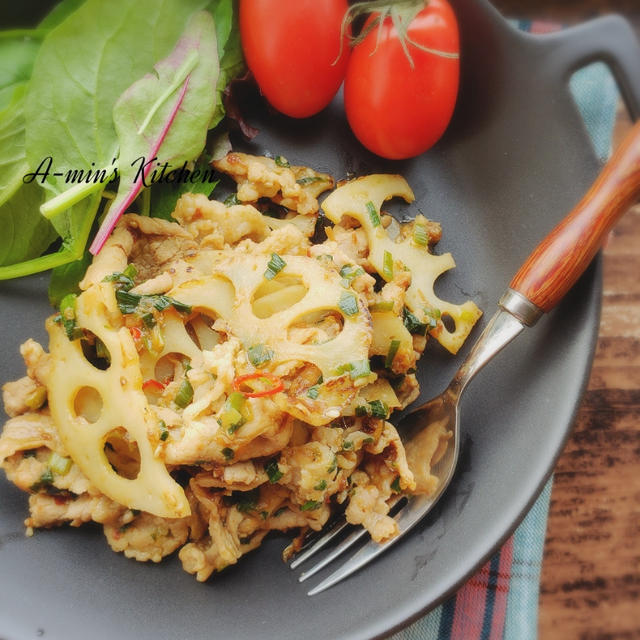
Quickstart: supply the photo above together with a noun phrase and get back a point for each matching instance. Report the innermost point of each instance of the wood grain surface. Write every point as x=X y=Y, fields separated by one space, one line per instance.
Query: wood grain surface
x=590 y=588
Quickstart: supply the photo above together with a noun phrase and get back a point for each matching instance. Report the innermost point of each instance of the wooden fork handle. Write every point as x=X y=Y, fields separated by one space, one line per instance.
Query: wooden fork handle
x=561 y=258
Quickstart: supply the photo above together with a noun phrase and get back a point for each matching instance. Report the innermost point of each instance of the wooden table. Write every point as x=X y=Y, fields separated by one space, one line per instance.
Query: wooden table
x=590 y=585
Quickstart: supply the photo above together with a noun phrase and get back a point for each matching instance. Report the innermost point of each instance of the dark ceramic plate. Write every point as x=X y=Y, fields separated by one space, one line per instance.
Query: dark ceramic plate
x=515 y=160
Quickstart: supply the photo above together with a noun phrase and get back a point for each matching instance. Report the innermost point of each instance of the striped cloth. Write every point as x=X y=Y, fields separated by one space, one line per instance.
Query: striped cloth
x=500 y=602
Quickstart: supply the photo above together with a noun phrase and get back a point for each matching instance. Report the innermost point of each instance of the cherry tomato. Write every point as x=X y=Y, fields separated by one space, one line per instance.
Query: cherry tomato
x=291 y=47
x=395 y=109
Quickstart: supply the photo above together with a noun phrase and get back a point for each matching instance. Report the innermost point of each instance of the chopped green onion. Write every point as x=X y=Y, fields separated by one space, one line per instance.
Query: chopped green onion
x=310 y=180
x=231 y=200
x=373 y=409
x=68 y=316
x=36 y=398
x=274 y=267
x=129 y=303
x=102 y=351
x=385 y=305
x=379 y=409
x=387 y=266
x=321 y=486
x=325 y=258
x=184 y=395
x=228 y=453
x=310 y=505
x=348 y=304
x=373 y=214
x=360 y=369
x=347 y=444
x=278 y=512
x=248 y=501
x=334 y=465
x=313 y=392
x=349 y=273
x=125 y=279
x=395 y=485
x=259 y=354
x=45 y=480
x=433 y=316
x=413 y=323
x=59 y=464
x=231 y=417
x=368 y=440
x=282 y=162
x=273 y=471
x=420 y=235
x=164 y=432
x=391 y=354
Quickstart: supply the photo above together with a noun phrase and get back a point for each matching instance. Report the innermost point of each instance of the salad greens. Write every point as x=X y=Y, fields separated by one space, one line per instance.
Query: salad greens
x=95 y=87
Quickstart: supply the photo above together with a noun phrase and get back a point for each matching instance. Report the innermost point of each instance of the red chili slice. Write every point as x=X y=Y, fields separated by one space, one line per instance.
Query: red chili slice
x=153 y=385
x=135 y=333
x=276 y=382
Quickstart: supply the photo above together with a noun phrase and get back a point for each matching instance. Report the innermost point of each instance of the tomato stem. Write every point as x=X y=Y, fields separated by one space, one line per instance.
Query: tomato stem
x=401 y=14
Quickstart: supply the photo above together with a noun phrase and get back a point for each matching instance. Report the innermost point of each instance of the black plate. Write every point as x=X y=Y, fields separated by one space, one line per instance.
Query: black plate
x=513 y=163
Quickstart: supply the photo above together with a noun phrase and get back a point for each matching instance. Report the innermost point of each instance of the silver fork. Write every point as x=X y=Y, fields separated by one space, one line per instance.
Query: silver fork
x=542 y=281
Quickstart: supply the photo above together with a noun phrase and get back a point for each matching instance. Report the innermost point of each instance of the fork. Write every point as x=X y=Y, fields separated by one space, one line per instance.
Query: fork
x=539 y=285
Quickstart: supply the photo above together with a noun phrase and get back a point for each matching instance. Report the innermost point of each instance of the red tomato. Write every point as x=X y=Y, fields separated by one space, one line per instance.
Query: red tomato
x=395 y=110
x=291 y=48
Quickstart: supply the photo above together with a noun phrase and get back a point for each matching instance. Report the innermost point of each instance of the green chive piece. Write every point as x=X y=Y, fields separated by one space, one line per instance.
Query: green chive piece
x=281 y=161
x=433 y=317
x=310 y=505
x=349 y=273
x=164 y=432
x=59 y=464
x=313 y=392
x=310 y=180
x=395 y=485
x=348 y=304
x=334 y=465
x=373 y=214
x=385 y=305
x=228 y=453
x=360 y=369
x=420 y=235
x=391 y=354
x=379 y=409
x=231 y=417
x=413 y=323
x=387 y=266
x=347 y=444
x=273 y=471
x=274 y=267
x=185 y=394
x=231 y=200
x=321 y=486
x=68 y=316
x=259 y=354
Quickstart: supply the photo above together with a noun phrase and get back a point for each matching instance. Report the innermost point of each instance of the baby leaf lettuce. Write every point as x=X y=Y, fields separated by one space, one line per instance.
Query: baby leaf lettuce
x=88 y=53
x=165 y=115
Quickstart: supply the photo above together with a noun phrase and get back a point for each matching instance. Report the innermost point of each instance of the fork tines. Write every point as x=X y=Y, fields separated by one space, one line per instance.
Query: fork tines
x=407 y=513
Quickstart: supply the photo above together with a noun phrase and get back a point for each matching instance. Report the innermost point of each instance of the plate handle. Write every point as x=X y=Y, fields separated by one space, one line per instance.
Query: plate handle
x=560 y=259
x=610 y=39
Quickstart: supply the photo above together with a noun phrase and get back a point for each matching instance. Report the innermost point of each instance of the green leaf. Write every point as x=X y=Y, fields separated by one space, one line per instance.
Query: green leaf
x=164 y=195
x=18 y=50
x=59 y=13
x=13 y=161
x=73 y=91
x=65 y=278
x=162 y=119
x=25 y=233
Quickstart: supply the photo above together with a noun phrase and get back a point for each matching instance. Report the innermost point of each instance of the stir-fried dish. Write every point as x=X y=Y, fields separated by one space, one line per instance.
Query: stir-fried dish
x=233 y=371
